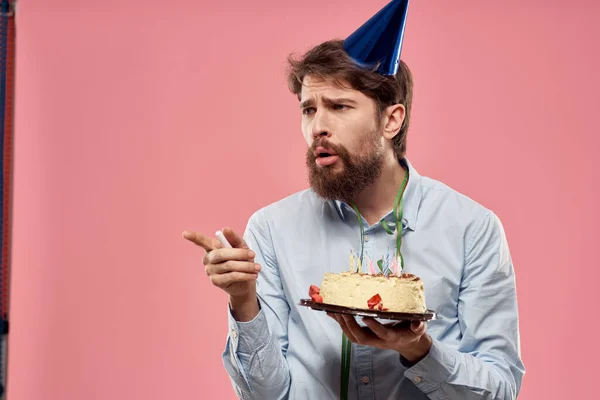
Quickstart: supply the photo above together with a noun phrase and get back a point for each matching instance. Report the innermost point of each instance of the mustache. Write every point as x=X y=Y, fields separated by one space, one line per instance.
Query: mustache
x=340 y=150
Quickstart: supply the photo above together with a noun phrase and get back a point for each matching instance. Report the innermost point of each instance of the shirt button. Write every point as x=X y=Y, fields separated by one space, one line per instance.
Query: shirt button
x=365 y=380
x=417 y=379
x=367 y=238
x=234 y=334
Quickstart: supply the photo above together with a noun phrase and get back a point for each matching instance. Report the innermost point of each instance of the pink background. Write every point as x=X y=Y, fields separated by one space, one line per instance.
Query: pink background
x=136 y=120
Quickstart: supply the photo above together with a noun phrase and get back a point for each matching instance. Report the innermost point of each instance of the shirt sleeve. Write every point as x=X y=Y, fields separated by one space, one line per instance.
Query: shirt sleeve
x=254 y=355
x=487 y=363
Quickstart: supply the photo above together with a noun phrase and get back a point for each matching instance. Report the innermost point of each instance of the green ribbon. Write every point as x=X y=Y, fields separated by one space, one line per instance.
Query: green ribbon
x=362 y=233
x=398 y=208
x=346 y=355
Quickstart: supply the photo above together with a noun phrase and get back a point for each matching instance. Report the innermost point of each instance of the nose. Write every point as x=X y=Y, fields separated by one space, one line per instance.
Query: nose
x=320 y=126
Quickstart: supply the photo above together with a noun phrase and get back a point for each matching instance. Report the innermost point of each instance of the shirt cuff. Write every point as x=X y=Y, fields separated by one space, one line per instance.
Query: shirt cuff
x=433 y=370
x=248 y=336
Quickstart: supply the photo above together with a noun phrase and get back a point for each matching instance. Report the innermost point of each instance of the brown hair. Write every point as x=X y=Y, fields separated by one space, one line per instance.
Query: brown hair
x=330 y=61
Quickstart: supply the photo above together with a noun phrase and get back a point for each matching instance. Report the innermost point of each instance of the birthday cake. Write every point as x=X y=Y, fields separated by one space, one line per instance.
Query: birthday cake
x=404 y=293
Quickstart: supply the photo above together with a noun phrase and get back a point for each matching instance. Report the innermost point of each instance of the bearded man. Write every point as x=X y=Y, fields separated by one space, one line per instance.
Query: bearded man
x=355 y=121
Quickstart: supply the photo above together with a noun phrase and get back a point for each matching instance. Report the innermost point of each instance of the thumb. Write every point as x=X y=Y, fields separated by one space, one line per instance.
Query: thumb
x=234 y=239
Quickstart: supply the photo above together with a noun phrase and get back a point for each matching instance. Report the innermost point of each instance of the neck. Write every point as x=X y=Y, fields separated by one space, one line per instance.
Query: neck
x=378 y=198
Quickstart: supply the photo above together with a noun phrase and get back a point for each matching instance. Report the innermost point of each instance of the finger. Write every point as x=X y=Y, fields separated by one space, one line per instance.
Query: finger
x=234 y=239
x=418 y=327
x=232 y=266
x=361 y=336
x=226 y=254
x=378 y=329
x=224 y=280
x=340 y=320
x=207 y=243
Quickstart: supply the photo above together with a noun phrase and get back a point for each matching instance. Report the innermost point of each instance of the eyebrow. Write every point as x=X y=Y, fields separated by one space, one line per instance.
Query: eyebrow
x=328 y=101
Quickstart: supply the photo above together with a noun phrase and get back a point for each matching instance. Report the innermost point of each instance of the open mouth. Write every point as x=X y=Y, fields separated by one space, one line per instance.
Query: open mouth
x=325 y=157
x=324 y=152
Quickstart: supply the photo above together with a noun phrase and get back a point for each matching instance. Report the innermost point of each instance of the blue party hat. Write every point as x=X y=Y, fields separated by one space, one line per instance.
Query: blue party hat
x=378 y=42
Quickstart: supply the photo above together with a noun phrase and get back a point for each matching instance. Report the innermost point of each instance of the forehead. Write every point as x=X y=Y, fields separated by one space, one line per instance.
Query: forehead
x=315 y=86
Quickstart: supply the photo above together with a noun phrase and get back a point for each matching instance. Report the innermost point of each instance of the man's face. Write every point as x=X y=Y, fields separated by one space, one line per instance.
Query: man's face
x=346 y=147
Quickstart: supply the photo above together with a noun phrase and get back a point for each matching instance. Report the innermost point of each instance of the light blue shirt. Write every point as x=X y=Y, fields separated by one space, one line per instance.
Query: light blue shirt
x=455 y=245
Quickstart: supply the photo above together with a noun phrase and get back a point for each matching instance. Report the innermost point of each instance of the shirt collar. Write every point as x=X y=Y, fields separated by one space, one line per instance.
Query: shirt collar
x=411 y=200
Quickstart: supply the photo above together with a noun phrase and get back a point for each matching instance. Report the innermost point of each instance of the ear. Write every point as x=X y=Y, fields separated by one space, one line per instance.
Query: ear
x=393 y=117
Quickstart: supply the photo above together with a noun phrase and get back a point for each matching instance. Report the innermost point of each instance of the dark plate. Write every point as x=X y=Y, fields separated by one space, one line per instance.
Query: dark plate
x=388 y=315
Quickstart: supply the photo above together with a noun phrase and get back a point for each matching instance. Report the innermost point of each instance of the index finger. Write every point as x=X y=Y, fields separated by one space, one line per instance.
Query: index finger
x=362 y=336
x=229 y=254
x=378 y=328
x=207 y=243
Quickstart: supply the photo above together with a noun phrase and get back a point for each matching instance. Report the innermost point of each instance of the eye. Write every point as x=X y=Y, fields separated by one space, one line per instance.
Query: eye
x=308 y=110
x=340 y=106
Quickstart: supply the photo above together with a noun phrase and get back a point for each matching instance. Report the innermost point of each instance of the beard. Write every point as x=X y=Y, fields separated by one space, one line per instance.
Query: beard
x=357 y=172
